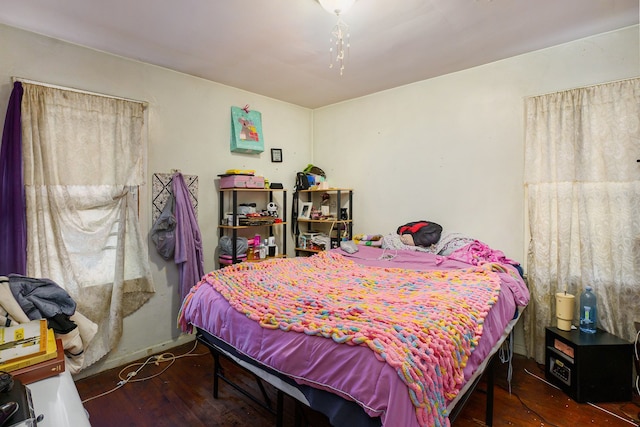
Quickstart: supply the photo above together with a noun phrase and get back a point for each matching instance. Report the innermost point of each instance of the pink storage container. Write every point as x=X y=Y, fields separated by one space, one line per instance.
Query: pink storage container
x=241 y=181
x=228 y=259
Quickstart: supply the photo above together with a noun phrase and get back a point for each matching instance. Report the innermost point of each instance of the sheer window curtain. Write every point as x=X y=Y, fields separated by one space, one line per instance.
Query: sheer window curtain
x=583 y=195
x=83 y=157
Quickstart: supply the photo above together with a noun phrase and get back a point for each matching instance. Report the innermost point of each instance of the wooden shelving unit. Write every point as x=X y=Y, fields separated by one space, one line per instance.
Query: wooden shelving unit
x=337 y=223
x=230 y=198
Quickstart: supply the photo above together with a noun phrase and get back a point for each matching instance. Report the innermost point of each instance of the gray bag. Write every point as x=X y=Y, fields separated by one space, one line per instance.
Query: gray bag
x=163 y=232
x=226 y=245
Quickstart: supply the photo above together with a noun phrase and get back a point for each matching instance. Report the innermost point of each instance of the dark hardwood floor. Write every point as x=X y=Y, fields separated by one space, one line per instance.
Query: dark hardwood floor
x=182 y=396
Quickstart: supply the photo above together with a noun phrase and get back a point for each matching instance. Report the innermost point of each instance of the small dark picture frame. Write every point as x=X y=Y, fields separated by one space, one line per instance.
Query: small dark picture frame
x=276 y=155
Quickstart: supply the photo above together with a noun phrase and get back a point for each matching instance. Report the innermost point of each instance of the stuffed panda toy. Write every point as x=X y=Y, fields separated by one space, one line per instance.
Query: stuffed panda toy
x=272 y=209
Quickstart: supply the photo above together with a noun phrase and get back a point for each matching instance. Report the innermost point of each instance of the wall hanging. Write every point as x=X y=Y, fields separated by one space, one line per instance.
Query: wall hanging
x=161 y=189
x=246 y=131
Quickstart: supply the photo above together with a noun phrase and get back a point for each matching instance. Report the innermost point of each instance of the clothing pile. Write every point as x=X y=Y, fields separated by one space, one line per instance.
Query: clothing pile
x=23 y=299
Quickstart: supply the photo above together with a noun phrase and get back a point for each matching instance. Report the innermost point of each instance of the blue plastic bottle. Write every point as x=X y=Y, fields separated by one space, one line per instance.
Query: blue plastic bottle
x=588 y=311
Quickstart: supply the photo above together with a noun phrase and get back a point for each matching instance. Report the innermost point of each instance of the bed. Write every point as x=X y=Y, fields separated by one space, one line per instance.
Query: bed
x=376 y=337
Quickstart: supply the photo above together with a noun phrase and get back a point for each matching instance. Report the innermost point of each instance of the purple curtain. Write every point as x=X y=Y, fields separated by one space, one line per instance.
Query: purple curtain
x=13 y=222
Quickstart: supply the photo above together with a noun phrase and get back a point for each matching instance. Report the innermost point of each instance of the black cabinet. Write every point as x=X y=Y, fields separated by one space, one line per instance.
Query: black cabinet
x=589 y=367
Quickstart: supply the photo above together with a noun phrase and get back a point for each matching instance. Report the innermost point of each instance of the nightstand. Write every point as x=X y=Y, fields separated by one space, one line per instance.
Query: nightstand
x=589 y=367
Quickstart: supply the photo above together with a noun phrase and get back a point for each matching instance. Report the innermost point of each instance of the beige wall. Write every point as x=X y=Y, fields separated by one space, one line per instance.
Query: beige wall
x=448 y=149
x=189 y=127
x=451 y=149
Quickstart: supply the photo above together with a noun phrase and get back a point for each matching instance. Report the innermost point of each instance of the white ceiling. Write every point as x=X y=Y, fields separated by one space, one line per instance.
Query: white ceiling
x=280 y=48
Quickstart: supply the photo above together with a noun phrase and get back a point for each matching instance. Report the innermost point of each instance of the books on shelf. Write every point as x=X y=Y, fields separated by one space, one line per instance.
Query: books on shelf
x=23 y=341
x=42 y=370
x=50 y=353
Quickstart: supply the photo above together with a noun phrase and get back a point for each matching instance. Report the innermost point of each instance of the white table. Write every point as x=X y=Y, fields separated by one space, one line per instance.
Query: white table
x=57 y=399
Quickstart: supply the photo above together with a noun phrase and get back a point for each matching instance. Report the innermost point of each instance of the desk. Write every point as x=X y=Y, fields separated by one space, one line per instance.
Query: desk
x=57 y=399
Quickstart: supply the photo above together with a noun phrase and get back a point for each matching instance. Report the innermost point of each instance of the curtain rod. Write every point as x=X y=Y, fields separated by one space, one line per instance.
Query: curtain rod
x=34 y=82
x=584 y=87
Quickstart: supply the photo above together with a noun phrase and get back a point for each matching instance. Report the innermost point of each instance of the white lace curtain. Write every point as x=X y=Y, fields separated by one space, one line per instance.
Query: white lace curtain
x=583 y=189
x=83 y=157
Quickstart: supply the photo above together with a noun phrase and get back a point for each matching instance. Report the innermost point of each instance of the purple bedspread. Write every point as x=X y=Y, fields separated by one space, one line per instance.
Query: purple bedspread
x=350 y=371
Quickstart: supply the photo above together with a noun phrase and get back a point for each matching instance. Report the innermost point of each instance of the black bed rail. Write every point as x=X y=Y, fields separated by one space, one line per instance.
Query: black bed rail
x=279 y=409
x=265 y=402
x=490 y=372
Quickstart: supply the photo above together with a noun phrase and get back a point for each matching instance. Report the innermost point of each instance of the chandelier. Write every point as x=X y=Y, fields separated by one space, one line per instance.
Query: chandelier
x=339 y=42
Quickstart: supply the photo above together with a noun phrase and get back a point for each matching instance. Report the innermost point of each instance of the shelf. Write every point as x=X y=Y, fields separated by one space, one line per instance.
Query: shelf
x=314 y=251
x=265 y=259
x=241 y=227
x=332 y=225
x=229 y=200
x=324 y=221
x=310 y=190
x=249 y=190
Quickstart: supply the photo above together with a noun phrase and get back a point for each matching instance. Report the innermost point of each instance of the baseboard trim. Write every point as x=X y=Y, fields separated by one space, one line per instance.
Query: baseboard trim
x=520 y=349
x=125 y=359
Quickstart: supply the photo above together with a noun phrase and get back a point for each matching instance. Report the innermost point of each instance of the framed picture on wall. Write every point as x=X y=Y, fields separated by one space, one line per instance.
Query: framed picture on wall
x=276 y=155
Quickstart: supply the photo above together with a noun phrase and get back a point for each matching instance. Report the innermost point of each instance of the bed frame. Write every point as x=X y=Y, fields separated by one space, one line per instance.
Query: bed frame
x=285 y=385
x=308 y=387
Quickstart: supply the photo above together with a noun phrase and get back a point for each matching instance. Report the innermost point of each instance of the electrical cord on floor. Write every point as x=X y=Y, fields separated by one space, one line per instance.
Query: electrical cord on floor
x=542 y=419
x=588 y=403
x=155 y=359
x=633 y=423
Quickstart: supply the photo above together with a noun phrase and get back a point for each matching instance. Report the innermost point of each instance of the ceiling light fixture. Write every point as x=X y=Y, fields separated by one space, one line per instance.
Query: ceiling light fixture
x=339 y=41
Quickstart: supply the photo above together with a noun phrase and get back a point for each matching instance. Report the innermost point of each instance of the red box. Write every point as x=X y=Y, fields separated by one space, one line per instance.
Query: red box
x=241 y=181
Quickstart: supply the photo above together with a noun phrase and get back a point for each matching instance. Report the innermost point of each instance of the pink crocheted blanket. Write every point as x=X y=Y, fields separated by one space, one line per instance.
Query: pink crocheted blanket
x=423 y=323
